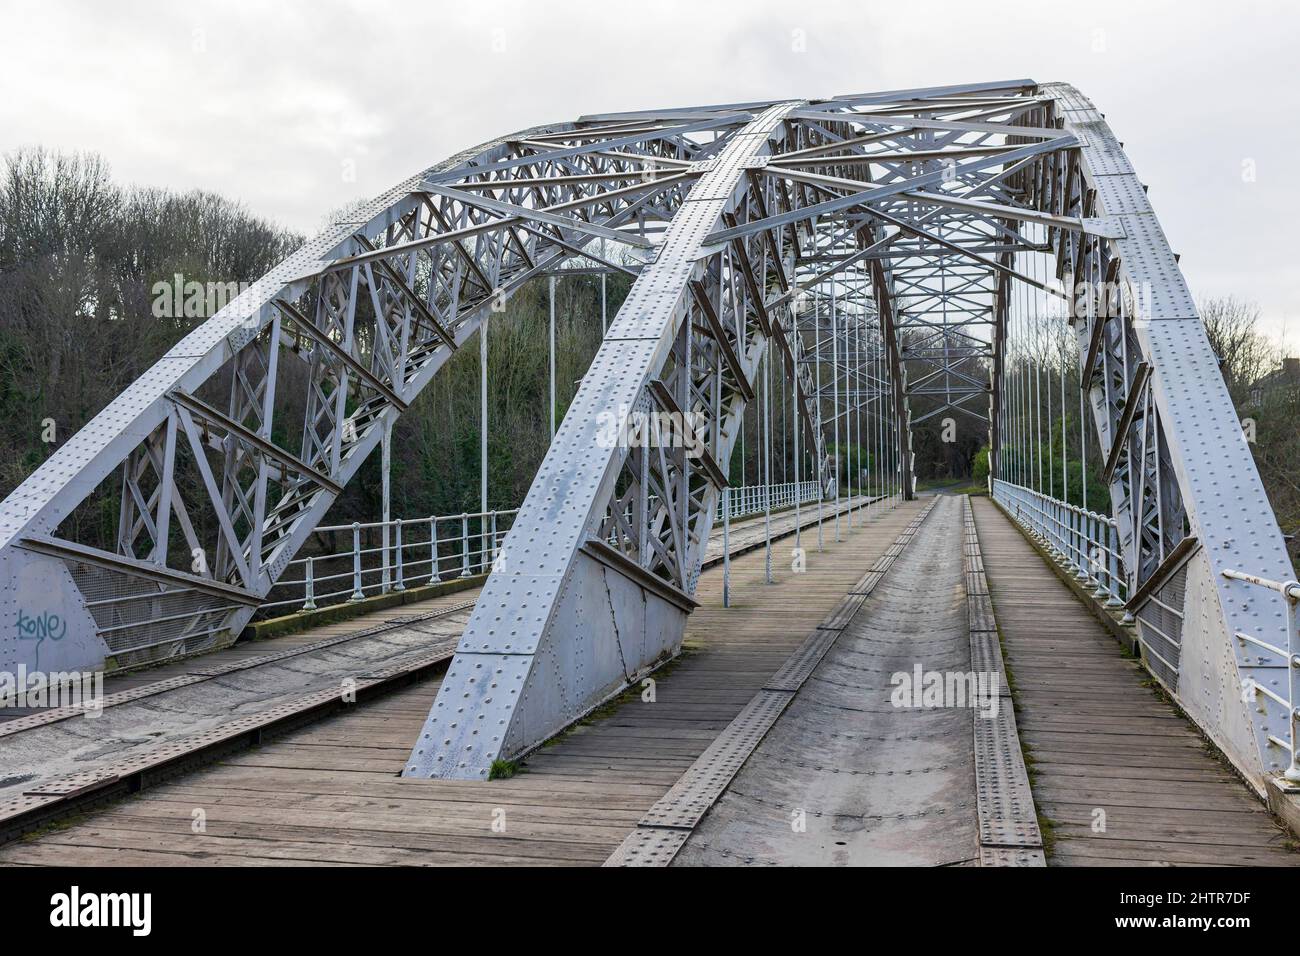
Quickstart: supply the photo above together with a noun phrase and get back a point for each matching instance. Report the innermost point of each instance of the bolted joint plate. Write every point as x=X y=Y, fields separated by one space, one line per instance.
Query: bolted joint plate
x=477 y=699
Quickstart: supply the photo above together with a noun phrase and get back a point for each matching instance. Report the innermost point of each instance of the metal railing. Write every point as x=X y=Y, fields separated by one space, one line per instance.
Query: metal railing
x=419 y=551
x=754 y=499
x=1084 y=542
x=1289 y=592
x=380 y=557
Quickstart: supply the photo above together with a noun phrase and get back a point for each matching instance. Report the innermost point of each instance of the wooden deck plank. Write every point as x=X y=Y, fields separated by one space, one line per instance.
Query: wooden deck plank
x=330 y=794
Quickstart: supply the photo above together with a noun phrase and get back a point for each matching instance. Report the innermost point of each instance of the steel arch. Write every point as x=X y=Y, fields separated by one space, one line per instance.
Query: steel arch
x=1184 y=487
x=782 y=212
x=371 y=309
x=934 y=192
x=897 y=215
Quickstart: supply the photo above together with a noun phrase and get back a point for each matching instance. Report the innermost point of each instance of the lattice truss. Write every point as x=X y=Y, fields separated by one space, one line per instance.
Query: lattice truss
x=356 y=324
x=864 y=236
x=868 y=245
x=1106 y=313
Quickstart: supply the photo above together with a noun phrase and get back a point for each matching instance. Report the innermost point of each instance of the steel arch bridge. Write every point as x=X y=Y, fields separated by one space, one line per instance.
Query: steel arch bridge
x=934 y=225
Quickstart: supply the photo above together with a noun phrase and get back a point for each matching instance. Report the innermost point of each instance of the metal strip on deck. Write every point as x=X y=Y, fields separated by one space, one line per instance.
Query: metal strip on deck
x=649 y=846
x=986 y=658
x=839 y=618
x=200 y=672
x=867 y=583
x=701 y=785
x=799 y=665
x=1008 y=823
x=18 y=815
x=979 y=609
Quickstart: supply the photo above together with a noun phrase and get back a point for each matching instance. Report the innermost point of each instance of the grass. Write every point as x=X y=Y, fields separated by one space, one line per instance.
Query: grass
x=503 y=769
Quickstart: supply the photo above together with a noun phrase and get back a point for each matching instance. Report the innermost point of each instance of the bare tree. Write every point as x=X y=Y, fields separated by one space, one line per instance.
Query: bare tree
x=1245 y=355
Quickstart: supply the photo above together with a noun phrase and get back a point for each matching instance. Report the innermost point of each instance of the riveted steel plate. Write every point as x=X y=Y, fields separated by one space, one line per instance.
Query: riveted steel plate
x=488 y=688
x=72 y=784
x=979 y=608
x=799 y=665
x=843 y=613
x=706 y=779
x=1011 y=856
x=1005 y=803
x=532 y=610
x=867 y=583
x=986 y=658
x=56 y=714
x=649 y=846
x=19 y=805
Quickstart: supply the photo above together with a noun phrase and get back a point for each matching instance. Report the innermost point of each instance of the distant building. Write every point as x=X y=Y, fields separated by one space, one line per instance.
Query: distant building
x=1287 y=376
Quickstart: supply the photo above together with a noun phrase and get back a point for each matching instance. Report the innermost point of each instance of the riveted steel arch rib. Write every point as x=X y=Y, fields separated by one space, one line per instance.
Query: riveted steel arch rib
x=597 y=574
x=1183 y=483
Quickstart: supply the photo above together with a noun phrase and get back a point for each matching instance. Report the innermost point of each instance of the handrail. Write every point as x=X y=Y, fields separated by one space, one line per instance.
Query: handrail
x=420 y=551
x=411 y=551
x=1083 y=542
x=1289 y=592
x=749 y=499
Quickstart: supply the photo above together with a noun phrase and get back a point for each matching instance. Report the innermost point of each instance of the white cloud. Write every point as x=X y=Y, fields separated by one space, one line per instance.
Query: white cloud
x=266 y=102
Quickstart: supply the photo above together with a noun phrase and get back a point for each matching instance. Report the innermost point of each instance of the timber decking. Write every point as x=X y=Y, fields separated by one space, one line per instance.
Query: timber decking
x=330 y=794
x=1098 y=737
x=191 y=702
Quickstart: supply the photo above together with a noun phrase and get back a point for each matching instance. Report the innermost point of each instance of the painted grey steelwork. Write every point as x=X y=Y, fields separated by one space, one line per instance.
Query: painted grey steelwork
x=880 y=248
x=862 y=204
x=595 y=584
x=1185 y=495
x=370 y=310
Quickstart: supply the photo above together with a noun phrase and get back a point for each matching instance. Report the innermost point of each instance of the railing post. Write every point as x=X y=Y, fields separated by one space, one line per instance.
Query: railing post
x=1290 y=591
x=494 y=537
x=357 y=593
x=1113 y=562
x=726 y=547
x=1067 y=537
x=309 y=583
x=400 y=583
x=435 y=574
x=1078 y=538
x=464 y=545
x=1052 y=525
x=1100 y=566
x=1078 y=527
x=1083 y=535
x=819 y=515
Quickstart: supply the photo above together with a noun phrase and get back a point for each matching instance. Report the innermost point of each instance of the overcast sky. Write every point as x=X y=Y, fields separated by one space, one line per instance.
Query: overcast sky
x=296 y=108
